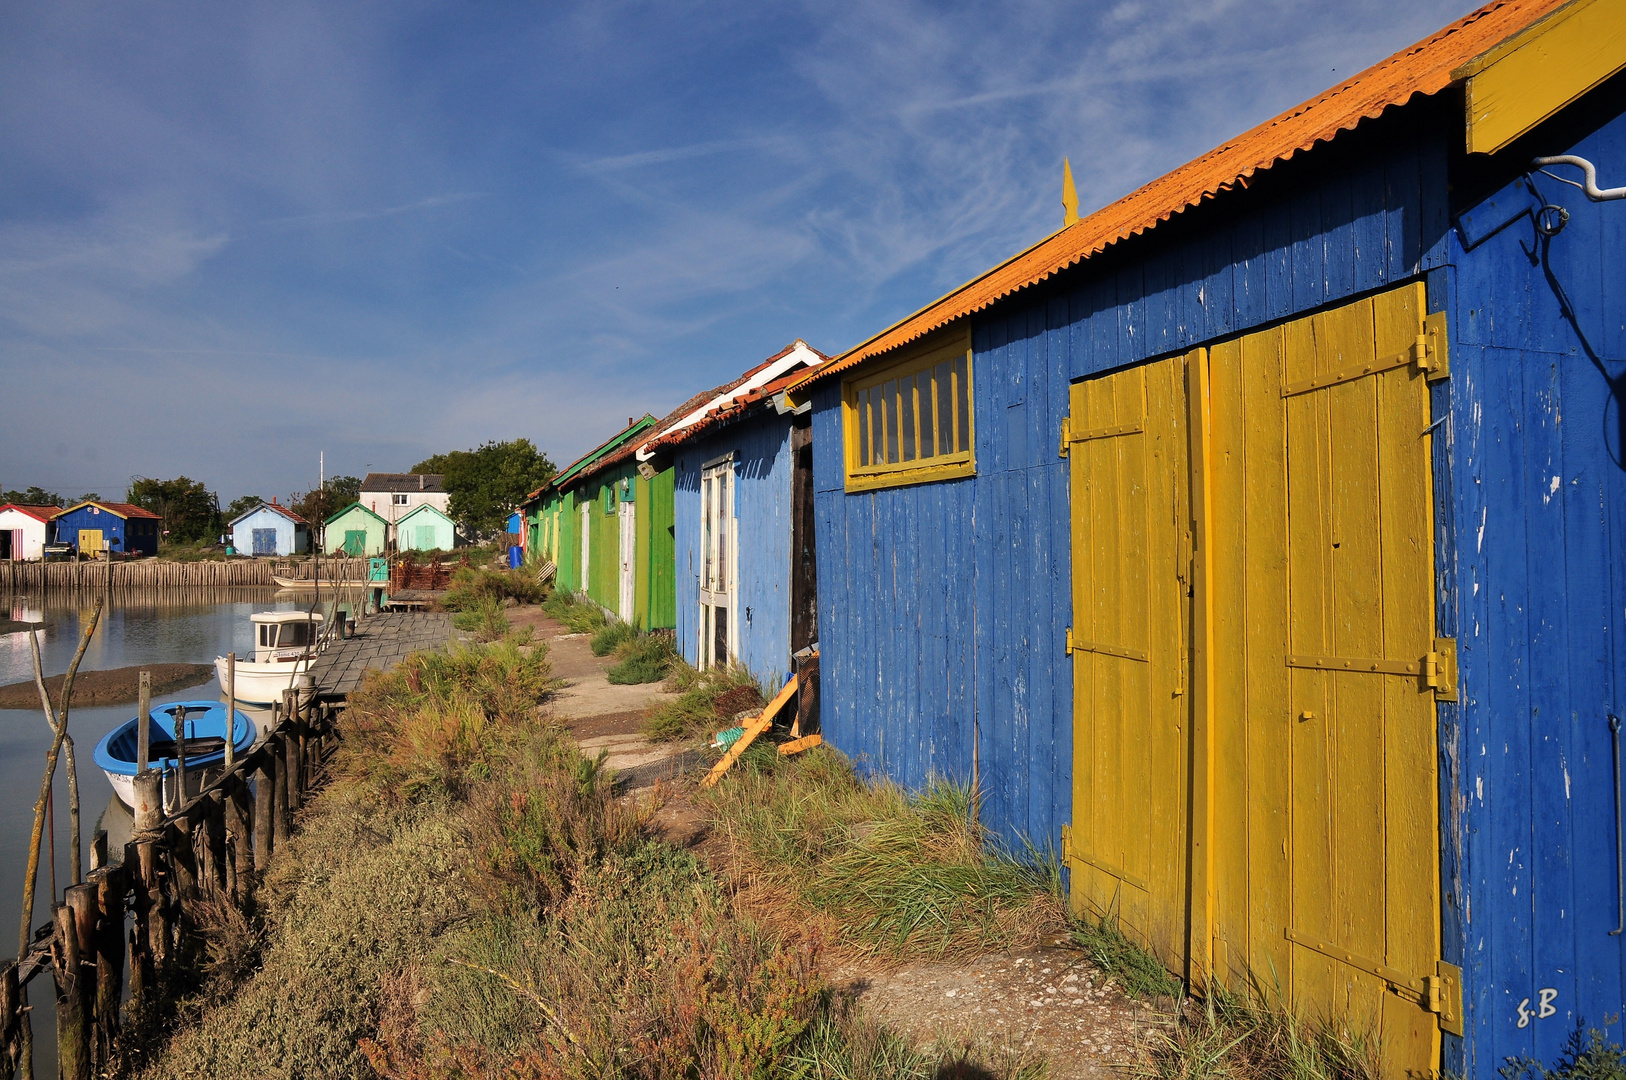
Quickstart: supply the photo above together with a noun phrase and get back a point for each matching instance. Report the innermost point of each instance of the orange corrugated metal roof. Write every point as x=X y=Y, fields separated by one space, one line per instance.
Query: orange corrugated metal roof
x=1424 y=68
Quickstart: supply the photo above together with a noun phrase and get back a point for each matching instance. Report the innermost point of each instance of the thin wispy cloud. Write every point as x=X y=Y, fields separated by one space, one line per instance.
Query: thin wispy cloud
x=389 y=230
x=344 y=217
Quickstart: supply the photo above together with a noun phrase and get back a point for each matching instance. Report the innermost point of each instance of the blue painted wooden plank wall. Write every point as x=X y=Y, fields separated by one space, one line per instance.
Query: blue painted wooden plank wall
x=762 y=478
x=1535 y=585
x=943 y=607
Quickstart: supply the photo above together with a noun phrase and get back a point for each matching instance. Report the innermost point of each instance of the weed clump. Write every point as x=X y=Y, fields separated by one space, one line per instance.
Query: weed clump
x=1588 y=1055
x=644 y=658
x=892 y=871
x=1231 y=1035
x=1141 y=974
x=707 y=701
x=575 y=611
x=612 y=636
x=471 y=586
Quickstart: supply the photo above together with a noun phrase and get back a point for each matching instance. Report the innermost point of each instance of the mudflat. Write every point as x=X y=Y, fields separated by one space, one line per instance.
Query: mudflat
x=114 y=687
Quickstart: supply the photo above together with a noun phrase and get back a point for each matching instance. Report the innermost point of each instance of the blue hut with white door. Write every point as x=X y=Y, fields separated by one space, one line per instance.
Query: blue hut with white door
x=270 y=529
x=743 y=520
x=1255 y=543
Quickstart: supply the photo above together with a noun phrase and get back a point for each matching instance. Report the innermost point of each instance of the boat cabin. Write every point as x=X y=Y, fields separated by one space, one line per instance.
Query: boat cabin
x=284 y=635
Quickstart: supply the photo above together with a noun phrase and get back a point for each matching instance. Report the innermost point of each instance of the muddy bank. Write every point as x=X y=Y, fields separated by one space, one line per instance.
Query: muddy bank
x=114 y=687
x=11 y=626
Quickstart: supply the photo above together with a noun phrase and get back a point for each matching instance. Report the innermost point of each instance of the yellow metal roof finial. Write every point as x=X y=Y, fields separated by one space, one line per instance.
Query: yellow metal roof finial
x=1069 y=195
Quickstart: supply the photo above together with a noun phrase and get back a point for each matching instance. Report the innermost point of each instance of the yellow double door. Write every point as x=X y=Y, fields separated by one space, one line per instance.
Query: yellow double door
x=1255 y=667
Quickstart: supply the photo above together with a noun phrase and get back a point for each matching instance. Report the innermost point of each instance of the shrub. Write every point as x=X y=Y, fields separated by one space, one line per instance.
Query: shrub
x=645 y=658
x=471 y=586
x=579 y=615
x=483 y=617
x=707 y=701
x=607 y=640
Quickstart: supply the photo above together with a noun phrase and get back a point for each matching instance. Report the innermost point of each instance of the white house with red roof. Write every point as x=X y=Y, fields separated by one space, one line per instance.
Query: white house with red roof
x=23 y=531
x=270 y=529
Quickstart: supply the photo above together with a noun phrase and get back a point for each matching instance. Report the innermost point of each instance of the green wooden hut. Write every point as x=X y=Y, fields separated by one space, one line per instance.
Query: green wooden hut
x=357 y=531
x=425 y=528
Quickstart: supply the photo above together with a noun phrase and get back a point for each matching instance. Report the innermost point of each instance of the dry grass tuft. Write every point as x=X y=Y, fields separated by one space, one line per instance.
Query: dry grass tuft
x=899 y=873
x=1230 y=1037
x=707 y=701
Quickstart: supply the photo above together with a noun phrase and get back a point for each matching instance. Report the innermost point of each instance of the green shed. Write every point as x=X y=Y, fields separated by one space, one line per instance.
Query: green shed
x=357 y=531
x=425 y=528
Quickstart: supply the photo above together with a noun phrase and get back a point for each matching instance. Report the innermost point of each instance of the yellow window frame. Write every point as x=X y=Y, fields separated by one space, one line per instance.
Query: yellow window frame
x=928 y=357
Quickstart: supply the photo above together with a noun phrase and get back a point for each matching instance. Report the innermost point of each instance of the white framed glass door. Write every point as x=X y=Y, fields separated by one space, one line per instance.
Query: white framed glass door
x=717 y=563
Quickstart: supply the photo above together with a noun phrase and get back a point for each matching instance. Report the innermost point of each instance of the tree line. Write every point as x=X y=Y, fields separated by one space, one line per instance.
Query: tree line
x=485 y=483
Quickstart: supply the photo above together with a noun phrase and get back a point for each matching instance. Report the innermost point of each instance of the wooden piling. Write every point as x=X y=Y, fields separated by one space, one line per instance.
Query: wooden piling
x=143 y=732
x=231 y=709
x=98 y=849
x=291 y=725
x=11 y=1036
x=214 y=825
x=264 y=815
x=71 y=959
x=149 y=804
x=281 y=824
x=178 y=794
x=141 y=970
x=110 y=890
x=154 y=907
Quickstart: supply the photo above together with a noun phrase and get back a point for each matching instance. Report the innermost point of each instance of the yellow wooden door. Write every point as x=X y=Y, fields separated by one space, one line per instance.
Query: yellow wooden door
x=1126 y=442
x=90 y=541
x=1325 y=838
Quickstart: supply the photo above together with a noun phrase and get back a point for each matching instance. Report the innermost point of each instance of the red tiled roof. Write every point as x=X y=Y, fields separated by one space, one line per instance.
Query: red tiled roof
x=1424 y=68
x=728 y=412
x=123 y=510
x=38 y=513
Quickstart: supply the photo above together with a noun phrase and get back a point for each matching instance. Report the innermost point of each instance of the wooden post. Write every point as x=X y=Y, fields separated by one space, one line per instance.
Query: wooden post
x=231 y=709
x=158 y=948
x=215 y=824
x=290 y=746
x=149 y=804
x=72 y=1014
x=178 y=796
x=143 y=734
x=232 y=813
x=110 y=888
x=264 y=814
x=279 y=789
x=141 y=970
x=183 y=861
x=98 y=849
x=10 y=1019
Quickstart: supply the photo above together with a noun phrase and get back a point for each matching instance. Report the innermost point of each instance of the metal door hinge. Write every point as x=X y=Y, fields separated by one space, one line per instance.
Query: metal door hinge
x=1443 y=994
x=1066 y=841
x=1430 y=353
x=1066 y=435
x=1440 y=669
x=1069 y=641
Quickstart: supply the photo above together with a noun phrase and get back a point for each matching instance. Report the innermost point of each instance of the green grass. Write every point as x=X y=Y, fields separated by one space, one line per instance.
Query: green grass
x=1230 y=1036
x=707 y=701
x=893 y=872
x=615 y=632
x=472 y=587
x=1137 y=971
x=643 y=658
x=579 y=615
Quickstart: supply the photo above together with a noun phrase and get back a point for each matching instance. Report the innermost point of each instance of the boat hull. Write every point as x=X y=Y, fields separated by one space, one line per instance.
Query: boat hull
x=205 y=731
x=263 y=683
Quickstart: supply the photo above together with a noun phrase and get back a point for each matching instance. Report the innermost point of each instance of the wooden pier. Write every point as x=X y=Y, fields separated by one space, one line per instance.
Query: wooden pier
x=381 y=642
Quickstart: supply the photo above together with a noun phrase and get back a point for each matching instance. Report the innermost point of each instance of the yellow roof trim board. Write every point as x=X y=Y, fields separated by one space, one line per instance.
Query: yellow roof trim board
x=1540 y=70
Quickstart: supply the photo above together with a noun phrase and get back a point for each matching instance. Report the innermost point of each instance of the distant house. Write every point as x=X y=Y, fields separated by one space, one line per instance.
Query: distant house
x=424 y=528
x=270 y=529
x=24 y=531
x=394 y=495
x=94 y=527
x=357 y=531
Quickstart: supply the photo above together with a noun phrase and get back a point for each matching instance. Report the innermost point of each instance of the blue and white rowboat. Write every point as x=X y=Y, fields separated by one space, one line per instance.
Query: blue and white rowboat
x=205 y=733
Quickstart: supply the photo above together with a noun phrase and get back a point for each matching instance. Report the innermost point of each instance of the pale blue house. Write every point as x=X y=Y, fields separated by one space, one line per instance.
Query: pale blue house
x=270 y=529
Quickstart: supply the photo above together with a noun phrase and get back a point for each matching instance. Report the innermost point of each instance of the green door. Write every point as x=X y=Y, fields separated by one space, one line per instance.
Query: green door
x=355 y=542
x=426 y=538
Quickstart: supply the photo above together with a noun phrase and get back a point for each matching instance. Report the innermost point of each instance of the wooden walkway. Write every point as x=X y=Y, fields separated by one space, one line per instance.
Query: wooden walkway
x=381 y=642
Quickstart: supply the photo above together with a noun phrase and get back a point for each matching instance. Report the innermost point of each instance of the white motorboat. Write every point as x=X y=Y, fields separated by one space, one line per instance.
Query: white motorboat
x=285 y=644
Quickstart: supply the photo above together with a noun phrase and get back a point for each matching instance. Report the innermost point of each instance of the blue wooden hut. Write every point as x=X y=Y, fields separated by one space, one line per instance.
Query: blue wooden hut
x=743 y=520
x=269 y=529
x=94 y=527
x=1255 y=543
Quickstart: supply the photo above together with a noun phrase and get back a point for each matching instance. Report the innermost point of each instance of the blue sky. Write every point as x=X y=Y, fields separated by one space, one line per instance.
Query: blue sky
x=232 y=235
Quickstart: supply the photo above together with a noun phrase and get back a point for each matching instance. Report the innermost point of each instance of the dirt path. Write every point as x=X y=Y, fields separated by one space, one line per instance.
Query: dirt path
x=601 y=715
x=1048 y=1001
x=114 y=687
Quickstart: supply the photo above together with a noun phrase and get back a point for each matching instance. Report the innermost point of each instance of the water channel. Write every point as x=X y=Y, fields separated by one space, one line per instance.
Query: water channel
x=136 y=629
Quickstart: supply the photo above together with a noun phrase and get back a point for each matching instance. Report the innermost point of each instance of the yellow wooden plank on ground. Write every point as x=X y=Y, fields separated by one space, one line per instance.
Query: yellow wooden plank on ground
x=752 y=730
